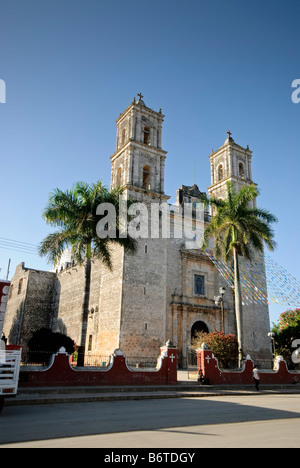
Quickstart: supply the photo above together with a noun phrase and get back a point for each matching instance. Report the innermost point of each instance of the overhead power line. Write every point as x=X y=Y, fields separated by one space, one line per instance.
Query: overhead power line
x=18 y=246
x=18 y=242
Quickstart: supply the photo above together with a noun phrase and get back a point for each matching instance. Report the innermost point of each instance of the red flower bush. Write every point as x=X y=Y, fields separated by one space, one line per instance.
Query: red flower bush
x=224 y=347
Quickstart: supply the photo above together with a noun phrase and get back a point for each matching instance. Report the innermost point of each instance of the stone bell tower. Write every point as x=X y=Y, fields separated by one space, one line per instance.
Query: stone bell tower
x=231 y=163
x=138 y=166
x=138 y=163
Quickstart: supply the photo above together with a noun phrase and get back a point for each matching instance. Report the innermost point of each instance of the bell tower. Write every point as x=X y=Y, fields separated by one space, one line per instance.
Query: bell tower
x=138 y=163
x=231 y=163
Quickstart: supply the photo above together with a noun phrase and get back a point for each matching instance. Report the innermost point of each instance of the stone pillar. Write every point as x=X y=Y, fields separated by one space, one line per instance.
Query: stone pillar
x=154 y=143
x=159 y=142
x=135 y=164
x=128 y=179
x=138 y=135
x=162 y=175
x=132 y=128
x=208 y=363
x=169 y=352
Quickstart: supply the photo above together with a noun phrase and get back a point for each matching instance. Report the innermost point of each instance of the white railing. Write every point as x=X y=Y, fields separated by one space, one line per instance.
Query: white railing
x=9 y=372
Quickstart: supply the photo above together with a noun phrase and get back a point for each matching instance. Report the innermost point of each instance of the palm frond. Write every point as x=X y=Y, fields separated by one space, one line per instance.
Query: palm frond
x=238 y=225
x=55 y=243
x=74 y=212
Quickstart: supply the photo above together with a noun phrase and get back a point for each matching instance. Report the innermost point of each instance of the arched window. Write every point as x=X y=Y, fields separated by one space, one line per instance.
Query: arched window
x=198 y=327
x=90 y=345
x=119 y=177
x=146 y=177
x=147 y=136
x=241 y=170
x=20 y=286
x=220 y=172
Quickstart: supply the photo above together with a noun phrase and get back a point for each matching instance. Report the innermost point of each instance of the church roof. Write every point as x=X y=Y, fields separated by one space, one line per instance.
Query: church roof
x=229 y=139
x=140 y=101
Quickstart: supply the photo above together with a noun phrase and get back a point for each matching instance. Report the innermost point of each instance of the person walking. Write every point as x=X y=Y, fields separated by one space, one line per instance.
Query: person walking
x=256 y=378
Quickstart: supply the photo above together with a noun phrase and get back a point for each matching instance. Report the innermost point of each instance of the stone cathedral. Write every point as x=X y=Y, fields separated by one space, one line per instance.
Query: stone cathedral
x=164 y=291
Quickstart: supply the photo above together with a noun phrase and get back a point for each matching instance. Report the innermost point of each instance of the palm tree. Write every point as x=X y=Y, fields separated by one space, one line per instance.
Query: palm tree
x=74 y=213
x=238 y=228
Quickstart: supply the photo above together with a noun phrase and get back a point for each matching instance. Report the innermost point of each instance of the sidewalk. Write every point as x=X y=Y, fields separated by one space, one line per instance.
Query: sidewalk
x=185 y=388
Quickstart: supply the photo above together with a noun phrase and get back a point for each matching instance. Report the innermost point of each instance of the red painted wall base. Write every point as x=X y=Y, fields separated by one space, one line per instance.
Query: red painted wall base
x=60 y=373
x=209 y=365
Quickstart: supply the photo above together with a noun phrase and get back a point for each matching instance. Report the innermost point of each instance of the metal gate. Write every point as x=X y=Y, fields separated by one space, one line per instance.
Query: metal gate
x=192 y=363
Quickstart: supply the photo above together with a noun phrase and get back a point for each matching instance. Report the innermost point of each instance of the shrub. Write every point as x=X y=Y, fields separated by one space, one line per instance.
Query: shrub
x=45 y=342
x=224 y=347
x=286 y=331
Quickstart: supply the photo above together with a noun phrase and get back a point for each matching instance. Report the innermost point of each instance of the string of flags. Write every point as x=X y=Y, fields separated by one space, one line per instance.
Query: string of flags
x=263 y=281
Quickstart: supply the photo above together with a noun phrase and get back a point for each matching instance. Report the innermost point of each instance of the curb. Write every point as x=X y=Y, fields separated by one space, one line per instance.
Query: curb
x=89 y=395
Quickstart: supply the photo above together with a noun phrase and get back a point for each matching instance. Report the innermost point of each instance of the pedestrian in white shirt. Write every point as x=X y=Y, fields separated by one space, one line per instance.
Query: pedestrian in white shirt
x=256 y=378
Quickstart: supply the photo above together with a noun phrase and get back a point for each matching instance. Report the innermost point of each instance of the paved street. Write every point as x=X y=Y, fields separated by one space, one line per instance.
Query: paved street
x=227 y=421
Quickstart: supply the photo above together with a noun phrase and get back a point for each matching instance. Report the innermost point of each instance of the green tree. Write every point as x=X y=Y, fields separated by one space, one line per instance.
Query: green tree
x=290 y=318
x=44 y=343
x=74 y=212
x=238 y=229
x=286 y=331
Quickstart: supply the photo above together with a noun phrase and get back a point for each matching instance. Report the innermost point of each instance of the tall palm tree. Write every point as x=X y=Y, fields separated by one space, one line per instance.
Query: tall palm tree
x=238 y=228
x=74 y=213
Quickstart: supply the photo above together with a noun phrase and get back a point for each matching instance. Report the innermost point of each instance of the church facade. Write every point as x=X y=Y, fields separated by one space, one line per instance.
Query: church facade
x=167 y=289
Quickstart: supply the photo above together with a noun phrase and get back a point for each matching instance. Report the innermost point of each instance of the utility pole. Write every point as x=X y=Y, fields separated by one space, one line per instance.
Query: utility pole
x=7 y=275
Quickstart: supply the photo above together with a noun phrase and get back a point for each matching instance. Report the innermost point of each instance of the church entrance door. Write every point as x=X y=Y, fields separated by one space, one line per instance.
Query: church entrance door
x=198 y=327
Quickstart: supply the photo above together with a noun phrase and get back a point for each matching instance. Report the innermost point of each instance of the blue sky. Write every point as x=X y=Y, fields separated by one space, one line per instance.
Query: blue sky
x=71 y=66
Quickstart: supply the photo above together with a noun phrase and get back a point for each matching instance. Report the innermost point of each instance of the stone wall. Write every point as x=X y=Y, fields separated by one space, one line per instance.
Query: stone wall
x=143 y=323
x=103 y=327
x=29 y=306
x=107 y=325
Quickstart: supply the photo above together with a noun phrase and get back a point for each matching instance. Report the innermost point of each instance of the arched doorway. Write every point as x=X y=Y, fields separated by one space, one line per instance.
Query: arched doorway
x=198 y=327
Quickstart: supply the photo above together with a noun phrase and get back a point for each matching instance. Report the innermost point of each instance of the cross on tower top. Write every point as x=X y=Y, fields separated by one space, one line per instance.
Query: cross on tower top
x=229 y=134
x=140 y=95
